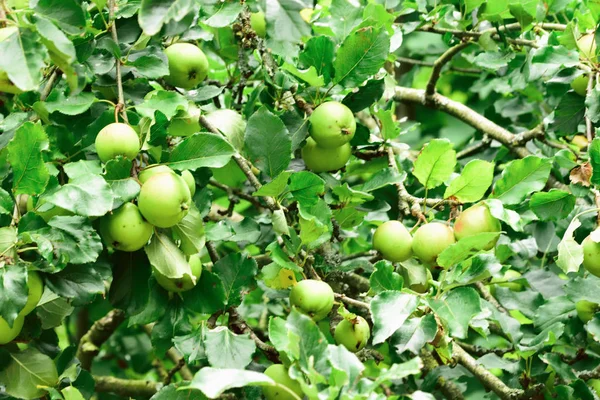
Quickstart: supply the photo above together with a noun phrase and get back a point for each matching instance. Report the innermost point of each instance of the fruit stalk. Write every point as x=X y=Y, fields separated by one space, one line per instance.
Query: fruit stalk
x=113 y=31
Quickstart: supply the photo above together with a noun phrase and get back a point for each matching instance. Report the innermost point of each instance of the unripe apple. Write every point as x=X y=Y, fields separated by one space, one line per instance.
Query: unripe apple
x=188 y=66
x=23 y=199
x=36 y=288
x=164 y=200
x=18 y=4
x=579 y=85
x=587 y=46
x=591 y=256
x=190 y=181
x=280 y=375
x=46 y=210
x=319 y=159
x=312 y=297
x=430 y=240
x=125 y=229
x=353 y=334
x=152 y=170
x=117 y=139
x=580 y=141
x=185 y=123
x=184 y=283
x=259 y=23
x=586 y=310
x=595 y=384
x=504 y=281
x=475 y=220
x=332 y=124
x=7 y=333
x=393 y=241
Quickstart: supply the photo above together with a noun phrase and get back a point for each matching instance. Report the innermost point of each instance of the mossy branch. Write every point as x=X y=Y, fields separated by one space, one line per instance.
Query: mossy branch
x=101 y=330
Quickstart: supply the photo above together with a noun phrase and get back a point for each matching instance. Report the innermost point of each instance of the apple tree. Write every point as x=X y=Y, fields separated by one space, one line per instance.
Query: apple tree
x=293 y=199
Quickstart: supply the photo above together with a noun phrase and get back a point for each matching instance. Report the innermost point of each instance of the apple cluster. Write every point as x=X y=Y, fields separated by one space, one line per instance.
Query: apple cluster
x=332 y=127
x=164 y=200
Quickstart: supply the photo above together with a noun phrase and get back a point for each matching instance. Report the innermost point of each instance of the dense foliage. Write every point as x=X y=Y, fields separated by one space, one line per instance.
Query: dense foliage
x=283 y=199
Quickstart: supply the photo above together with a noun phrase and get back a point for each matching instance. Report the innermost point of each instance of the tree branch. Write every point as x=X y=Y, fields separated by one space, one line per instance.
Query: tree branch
x=448 y=388
x=90 y=343
x=352 y=302
x=476 y=148
x=126 y=387
x=243 y=164
x=179 y=361
x=439 y=64
x=237 y=192
x=489 y=380
x=589 y=126
x=238 y=324
x=477 y=34
x=423 y=63
x=212 y=252
x=54 y=77
x=486 y=294
x=406 y=205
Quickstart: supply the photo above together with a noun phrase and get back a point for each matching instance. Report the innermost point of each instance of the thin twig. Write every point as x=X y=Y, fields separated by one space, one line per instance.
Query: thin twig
x=128 y=388
x=447 y=387
x=212 y=252
x=589 y=126
x=439 y=64
x=352 y=302
x=237 y=192
x=486 y=294
x=238 y=324
x=180 y=364
x=113 y=30
x=423 y=63
x=476 y=148
x=54 y=76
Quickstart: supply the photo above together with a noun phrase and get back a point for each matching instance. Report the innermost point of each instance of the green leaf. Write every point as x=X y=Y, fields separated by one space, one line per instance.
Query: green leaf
x=384 y=278
x=80 y=283
x=129 y=288
x=201 y=150
x=190 y=231
x=224 y=14
x=592 y=104
x=167 y=102
x=55 y=40
x=88 y=195
x=208 y=296
x=13 y=291
x=307 y=342
x=361 y=55
x=435 y=163
x=465 y=248
x=53 y=309
x=166 y=257
x=24 y=66
x=285 y=22
x=414 y=334
x=570 y=253
x=365 y=96
x=318 y=52
x=493 y=60
x=276 y=187
x=30 y=174
x=594 y=152
x=173 y=392
x=472 y=183
x=214 y=381
x=389 y=128
x=568 y=114
x=151 y=62
x=268 y=142
x=84 y=167
x=237 y=273
x=68 y=14
x=545 y=61
x=389 y=310
x=154 y=14
x=456 y=309
x=306 y=187
x=553 y=205
x=73 y=237
x=27 y=370
x=225 y=349
x=521 y=178
x=310 y=75
x=73 y=105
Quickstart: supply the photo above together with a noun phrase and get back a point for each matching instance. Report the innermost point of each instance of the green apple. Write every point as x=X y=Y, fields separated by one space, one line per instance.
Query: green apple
x=117 y=139
x=280 y=375
x=259 y=23
x=152 y=170
x=475 y=220
x=332 y=124
x=46 y=210
x=505 y=281
x=416 y=277
x=591 y=256
x=352 y=334
x=497 y=372
x=164 y=199
x=125 y=229
x=185 y=122
x=586 y=310
x=430 y=240
x=184 y=283
x=393 y=241
x=6 y=84
x=18 y=4
x=320 y=159
x=7 y=333
x=580 y=141
x=579 y=85
x=36 y=288
x=312 y=297
x=23 y=200
x=188 y=66
x=587 y=46
x=190 y=181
